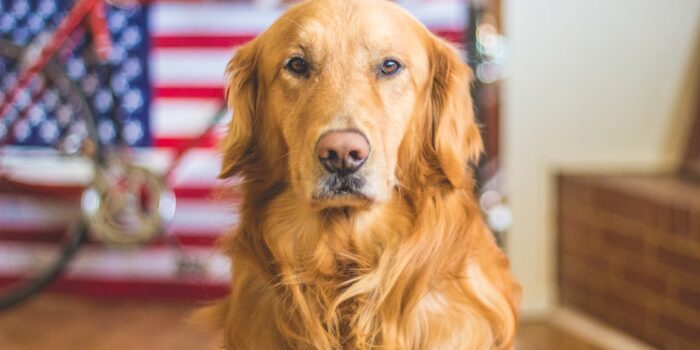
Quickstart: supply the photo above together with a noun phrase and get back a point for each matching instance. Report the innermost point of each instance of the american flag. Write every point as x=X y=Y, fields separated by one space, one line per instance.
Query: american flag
x=169 y=59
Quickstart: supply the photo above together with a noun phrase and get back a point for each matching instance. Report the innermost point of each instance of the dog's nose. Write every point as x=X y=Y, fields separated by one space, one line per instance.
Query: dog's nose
x=342 y=152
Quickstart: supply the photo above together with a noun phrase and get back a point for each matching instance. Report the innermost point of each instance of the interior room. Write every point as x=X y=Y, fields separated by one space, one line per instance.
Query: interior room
x=588 y=181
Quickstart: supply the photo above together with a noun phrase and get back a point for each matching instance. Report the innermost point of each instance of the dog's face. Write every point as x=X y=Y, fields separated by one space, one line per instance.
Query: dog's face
x=338 y=99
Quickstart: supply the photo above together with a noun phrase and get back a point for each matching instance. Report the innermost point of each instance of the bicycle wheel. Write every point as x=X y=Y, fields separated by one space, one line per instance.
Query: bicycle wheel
x=47 y=134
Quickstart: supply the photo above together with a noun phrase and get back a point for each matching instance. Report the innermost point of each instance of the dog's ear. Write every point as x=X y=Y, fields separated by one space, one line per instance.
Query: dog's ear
x=241 y=94
x=456 y=138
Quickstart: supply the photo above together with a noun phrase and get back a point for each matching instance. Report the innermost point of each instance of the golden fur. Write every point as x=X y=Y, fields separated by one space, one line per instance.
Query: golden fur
x=409 y=265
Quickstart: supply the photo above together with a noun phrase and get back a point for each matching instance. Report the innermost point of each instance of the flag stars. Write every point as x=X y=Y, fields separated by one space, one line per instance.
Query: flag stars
x=48 y=131
x=7 y=22
x=132 y=100
x=133 y=132
x=54 y=115
x=46 y=8
x=75 y=68
x=20 y=9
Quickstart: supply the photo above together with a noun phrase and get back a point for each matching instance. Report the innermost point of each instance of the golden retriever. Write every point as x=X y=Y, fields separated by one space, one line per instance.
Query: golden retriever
x=353 y=131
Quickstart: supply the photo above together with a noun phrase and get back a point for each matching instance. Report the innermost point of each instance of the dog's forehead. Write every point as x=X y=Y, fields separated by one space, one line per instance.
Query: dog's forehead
x=331 y=26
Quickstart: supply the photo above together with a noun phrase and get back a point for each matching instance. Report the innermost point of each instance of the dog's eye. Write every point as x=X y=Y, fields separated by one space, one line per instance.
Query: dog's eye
x=390 y=67
x=297 y=65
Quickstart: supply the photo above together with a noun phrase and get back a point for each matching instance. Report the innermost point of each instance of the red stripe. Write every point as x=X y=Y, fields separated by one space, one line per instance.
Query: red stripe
x=227 y=41
x=34 y=236
x=192 y=91
x=169 y=289
x=453 y=36
x=202 y=192
x=73 y=192
x=209 y=141
x=56 y=235
x=200 y=41
x=70 y=192
x=197 y=240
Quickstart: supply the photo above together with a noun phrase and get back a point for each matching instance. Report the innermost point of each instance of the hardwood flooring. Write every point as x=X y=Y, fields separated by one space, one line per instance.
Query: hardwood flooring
x=57 y=322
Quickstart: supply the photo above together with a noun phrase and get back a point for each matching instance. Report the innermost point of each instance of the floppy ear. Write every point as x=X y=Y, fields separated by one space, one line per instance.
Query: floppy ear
x=456 y=139
x=241 y=88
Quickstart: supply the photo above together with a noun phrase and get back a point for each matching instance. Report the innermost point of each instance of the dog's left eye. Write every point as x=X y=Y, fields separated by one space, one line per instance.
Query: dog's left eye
x=390 y=67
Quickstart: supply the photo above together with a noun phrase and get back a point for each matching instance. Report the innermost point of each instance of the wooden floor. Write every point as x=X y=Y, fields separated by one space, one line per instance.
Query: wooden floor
x=53 y=322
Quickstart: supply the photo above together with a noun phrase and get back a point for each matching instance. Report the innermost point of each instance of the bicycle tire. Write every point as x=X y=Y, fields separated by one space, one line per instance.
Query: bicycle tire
x=16 y=190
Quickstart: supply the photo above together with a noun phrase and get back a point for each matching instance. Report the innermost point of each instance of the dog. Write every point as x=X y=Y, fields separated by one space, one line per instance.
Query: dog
x=353 y=133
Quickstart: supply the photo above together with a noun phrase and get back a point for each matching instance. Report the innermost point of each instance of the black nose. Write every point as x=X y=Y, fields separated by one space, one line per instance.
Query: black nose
x=342 y=152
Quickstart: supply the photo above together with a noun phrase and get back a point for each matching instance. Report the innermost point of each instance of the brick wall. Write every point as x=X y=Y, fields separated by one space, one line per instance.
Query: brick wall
x=629 y=254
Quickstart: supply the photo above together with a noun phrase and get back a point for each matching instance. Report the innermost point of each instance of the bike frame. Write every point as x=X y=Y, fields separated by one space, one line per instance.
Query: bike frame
x=94 y=11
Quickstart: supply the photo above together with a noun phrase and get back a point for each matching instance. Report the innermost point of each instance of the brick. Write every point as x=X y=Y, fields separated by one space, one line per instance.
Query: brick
x=595 y=236
x=569 y=243
x=597 y=262
x=690 y=298
x=575 y=190
x=645 y=211
x=681 y=222
x=620 y=312
x=689 y=332
x=597 y=307
x=577 y=280
x=679 y=261
x=620 y=260
x=573 y=274
x=664 y=219
x=578 y=293
x=647 y=280
x=593 y=260
x=628 y=205
x=607 y=200
x=624 y=302
x=694 y=225
x=572 y=225
x=627 y=242
x=682 y=344
x=630 y=323
x=655 y=336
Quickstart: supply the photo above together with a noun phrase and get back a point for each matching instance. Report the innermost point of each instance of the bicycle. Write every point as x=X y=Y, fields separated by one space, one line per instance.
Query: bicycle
x=124 y=203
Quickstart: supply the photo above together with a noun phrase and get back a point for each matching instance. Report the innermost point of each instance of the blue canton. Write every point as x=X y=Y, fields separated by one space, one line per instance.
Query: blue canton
x=124 y=86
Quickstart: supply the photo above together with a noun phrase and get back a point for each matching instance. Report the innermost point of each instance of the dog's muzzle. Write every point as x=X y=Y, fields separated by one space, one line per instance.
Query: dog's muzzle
x=342 y=153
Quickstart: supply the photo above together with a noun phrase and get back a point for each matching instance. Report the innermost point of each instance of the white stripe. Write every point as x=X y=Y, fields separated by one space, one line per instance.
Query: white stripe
x=46 y=167
x=173 y=67
x=182 y=117
x=169 y=18
x=199 y=166
x=31 y=214
x=104 y=263
x=203 y=217
x=193 y=216
x=439 y=15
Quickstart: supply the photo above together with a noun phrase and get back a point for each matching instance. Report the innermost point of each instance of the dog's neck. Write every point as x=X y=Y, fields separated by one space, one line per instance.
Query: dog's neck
x=340 y=245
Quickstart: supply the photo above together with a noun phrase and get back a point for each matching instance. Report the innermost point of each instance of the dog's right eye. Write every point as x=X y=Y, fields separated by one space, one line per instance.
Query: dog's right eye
x=297 y=65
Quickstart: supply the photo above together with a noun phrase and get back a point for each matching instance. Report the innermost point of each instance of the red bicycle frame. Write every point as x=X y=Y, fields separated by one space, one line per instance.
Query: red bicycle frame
x=94 y=11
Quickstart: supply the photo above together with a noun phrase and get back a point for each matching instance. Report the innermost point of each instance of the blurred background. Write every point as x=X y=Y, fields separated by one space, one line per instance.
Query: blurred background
x=590 y=180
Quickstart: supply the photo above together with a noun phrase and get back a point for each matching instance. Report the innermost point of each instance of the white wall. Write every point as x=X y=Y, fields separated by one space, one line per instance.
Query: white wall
x=595 y=85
